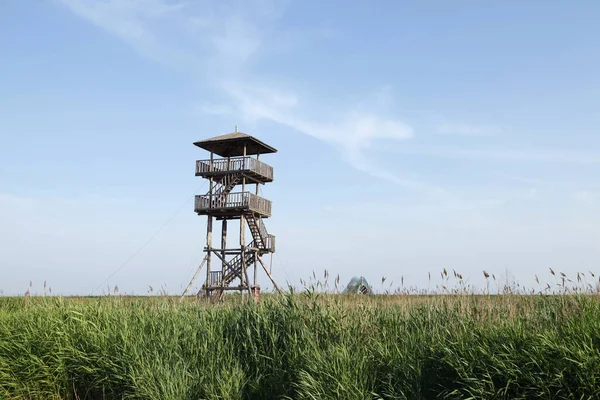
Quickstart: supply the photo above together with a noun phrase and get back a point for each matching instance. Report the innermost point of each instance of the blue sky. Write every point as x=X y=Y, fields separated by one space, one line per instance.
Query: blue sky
x=412 y=136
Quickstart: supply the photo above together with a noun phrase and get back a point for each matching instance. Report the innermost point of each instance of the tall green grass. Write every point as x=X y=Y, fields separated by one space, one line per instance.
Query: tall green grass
x=301 y=346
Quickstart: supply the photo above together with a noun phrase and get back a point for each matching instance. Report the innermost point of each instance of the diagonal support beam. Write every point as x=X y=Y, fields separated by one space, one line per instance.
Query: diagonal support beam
x=228 y=263
x=269 y=274
x=193 y=278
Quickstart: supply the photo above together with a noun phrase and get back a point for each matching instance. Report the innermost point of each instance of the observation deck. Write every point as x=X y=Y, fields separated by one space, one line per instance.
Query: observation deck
x=254 y=170
x=232 y=204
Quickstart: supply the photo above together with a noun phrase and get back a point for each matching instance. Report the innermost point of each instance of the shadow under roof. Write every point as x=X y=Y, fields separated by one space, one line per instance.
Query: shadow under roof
x=232 y=145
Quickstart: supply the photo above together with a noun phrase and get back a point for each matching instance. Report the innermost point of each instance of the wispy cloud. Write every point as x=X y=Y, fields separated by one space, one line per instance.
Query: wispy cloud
x=588 y=198
x=137 y=23
x=351 y=132
x=497 y=154
x=197 y=38
x=221 y=45
x=546 y=183
x=467 y=129
x=218 y=43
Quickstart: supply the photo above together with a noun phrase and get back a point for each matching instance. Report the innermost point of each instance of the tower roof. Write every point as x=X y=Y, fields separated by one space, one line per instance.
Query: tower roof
x=232 y=145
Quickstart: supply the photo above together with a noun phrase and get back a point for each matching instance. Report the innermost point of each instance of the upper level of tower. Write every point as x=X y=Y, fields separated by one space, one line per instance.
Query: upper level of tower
x=237 y=150
x=237 y=164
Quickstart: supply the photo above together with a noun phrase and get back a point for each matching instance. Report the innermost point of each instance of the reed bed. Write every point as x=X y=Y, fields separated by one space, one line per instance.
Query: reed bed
x=302 y=346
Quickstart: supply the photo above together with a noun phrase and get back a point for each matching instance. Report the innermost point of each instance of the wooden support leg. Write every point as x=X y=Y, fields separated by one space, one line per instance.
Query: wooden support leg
x=209 y=226
x=245 y=270
x=193 y=278
x=269 y=274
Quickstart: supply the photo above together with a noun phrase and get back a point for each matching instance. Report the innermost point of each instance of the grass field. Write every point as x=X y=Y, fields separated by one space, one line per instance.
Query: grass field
x=302 y=346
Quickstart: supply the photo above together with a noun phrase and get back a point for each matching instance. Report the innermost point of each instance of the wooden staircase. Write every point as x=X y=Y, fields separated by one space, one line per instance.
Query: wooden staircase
x=234 y=269
x=262 y=243
x=224 y=187
x=258 y=231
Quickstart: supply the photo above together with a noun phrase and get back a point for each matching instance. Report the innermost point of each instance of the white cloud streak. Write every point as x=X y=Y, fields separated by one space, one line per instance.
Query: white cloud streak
x=507 y=155
x=588 y=198
x=352 y=133
x=217 y=43
x=197 y=38
x=467 y=129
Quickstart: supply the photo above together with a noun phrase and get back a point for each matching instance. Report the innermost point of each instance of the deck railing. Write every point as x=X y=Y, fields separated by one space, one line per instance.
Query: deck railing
x=215 y=278
x=239 y=200
x=270 y=245
x=259 y=204
x=234 y=164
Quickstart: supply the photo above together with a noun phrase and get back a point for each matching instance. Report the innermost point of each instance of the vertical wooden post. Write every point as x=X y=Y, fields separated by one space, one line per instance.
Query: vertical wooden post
x=210 y=192
x=243 y=233
x=224 y=240
x=255 y=275
x=257 y=159
x=244 y=167
x=209 y=229
x=208 y=253
x=264 y=242
x=223 y=247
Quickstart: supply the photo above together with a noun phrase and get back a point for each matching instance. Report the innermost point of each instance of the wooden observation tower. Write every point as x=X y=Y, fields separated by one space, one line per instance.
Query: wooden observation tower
x=230 y=197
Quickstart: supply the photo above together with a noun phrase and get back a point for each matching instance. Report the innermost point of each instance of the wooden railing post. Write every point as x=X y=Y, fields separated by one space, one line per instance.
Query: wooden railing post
x=235 y=164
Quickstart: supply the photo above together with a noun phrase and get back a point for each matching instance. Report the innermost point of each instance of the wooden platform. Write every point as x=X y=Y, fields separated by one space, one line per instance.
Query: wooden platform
x=233 y=204
x=254 y=170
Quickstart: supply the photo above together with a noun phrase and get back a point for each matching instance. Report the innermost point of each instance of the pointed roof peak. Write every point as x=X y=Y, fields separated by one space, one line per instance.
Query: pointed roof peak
x=228 y=136
x=232 y=145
